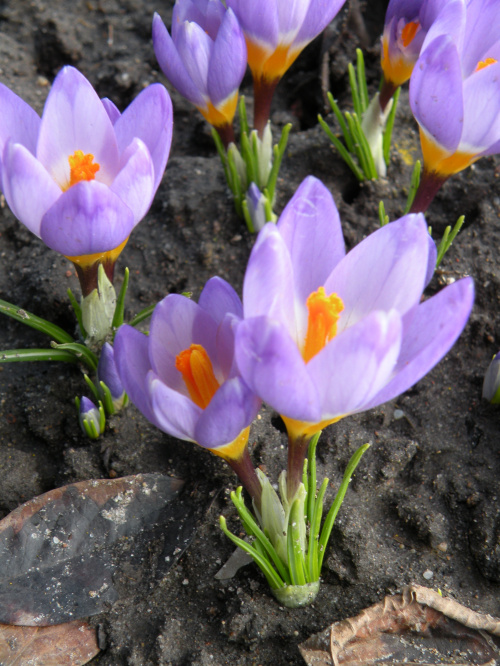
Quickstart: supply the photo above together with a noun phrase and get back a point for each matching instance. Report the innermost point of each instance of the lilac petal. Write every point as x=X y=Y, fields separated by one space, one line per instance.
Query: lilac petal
x=74 y=118
x=194 y=47
x=111 y=109
x=208 y=14
x=259 y=20
x=132 y=363
x=218 y=298
x=172 y=65
x=431 y=261
x=28 y=188
x=291 y=16
x=481 y=32
x=430 y=334
x=231 y=410
x=149 y=118
x=225 y=346
x=319 y=15
x=20 y=122
x=407 y=9
x=267 y=288
x=135 y=182
x=174 y=413
x=385 y=271
x=177 y=322
x=481 y=110
x=86 y=219
x=447 y=19
x=436 y=96
x=310 y=227
x=271 y=365
x=228 y=61
x=107 y=371
x=355 y=365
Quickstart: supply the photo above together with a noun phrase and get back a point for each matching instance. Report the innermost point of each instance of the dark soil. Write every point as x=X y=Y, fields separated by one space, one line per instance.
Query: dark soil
x=424 y=504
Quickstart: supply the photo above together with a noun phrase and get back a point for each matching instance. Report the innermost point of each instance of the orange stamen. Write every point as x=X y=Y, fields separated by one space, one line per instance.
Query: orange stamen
x=482 y=64
x=81 y=167
x=196 y=368
x=324 y=313
x=408 y=33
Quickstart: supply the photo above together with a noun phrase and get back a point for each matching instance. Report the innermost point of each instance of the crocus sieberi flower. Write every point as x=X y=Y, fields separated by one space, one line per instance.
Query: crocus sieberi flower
x=409 y=26
x=327 y=334
x=183 y=378
x=276 y=32
x=110 y=384
x=455 y=98
x=205 y=59
x=83 y=175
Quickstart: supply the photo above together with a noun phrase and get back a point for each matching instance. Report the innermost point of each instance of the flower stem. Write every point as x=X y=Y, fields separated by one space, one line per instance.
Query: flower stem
x=226 y=133
x=263 y=91
x=429 y=185
x=246 y=472
x=387 y=91
x=297 y=449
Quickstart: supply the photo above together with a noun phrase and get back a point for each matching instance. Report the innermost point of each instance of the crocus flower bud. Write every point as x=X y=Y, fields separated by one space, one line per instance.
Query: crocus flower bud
x=92 y=419
x=205 y=59
x=491 y=384
x=256 y=206
x=108 y=378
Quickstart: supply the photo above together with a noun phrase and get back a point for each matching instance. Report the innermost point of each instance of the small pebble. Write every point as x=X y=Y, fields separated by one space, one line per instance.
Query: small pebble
x=428 y=574
x=398 y=414
x=443 y=547
x=186 y=581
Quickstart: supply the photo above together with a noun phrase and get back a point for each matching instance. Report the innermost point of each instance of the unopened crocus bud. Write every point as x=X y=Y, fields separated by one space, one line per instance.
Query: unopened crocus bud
x=110 y=384
x=92 y=419
x=491 y=384
x=256 y=206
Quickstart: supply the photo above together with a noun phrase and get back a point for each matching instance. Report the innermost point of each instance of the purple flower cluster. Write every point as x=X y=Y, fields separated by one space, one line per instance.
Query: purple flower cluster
x=321 y=334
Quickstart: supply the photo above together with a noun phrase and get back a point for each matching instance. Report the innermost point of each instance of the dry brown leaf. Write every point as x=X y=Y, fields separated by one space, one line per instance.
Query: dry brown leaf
x=418 y=626
x=70 y=644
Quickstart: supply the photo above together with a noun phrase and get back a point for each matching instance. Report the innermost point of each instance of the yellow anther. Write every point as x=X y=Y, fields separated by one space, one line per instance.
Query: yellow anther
x=324 y=313
x=196 y=368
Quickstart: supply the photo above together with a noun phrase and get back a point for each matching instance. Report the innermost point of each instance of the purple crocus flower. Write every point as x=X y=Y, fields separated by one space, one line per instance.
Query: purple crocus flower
x=83 y=175
x=327 y=334
x=455 y=98
x=276 y=31
x=409 y=26
x=205 y=58
x=183 y=378
x=91 y=418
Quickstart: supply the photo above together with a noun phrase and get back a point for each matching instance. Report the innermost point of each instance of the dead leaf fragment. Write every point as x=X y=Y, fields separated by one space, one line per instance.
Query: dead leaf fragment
x=417 y=627
x=69 y=644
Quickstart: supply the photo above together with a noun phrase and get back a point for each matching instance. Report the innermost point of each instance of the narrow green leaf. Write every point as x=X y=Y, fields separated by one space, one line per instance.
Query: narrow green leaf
x=313 y=550
x=334 y=509
x=448 y=238
x=414 y=183
x=311 y=462
x=383 y=218
x=78 y=314
x=14 y=355
x=362 y=86
x=120 y=302
x=356 y=102
x=91 y=386
x=253 y=530
x=246 y=216
x=341 y=121
x=296 y=561
x=342 y=150
x=56 y=333
x=278 y=153
x=386 y=142
x=365 y=148
x=81 y=352
x=242 y=113
x=142 y=315
x=272 y=577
